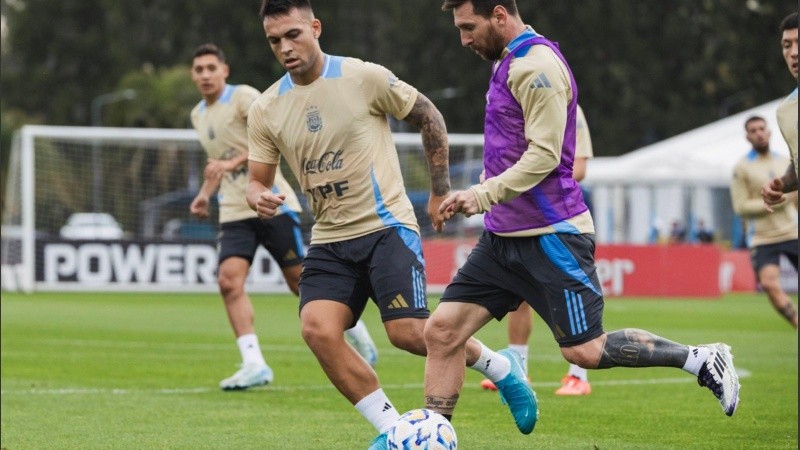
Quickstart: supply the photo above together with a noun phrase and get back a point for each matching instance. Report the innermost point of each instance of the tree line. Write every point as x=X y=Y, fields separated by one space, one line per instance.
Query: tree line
x=646 y=69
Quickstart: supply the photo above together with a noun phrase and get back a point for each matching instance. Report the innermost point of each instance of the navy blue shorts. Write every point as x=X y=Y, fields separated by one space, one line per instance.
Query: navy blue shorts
x=386 y=266
x=554 y=273
x=281 y=236
x=763 y=255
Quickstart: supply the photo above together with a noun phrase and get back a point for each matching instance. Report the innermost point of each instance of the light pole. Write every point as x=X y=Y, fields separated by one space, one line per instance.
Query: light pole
x=97 y=163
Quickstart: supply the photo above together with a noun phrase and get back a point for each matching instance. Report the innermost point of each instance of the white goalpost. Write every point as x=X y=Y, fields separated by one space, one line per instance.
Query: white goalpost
x=107 y=209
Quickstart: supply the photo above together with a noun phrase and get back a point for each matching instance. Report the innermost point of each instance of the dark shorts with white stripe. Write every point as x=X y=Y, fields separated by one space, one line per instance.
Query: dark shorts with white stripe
x=386 y=265
x=554 y=273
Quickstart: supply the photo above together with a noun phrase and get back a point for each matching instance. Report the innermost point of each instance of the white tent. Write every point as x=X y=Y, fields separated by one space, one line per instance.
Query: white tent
x=681 y=179
x=703 y=156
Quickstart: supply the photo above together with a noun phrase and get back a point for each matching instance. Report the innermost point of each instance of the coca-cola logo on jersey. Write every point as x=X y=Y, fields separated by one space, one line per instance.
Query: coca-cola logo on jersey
x=329 y=161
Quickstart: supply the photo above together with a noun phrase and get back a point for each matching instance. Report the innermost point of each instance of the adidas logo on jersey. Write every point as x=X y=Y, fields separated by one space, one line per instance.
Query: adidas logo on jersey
x=398 y=302
x=541 y=82
x=290 y=255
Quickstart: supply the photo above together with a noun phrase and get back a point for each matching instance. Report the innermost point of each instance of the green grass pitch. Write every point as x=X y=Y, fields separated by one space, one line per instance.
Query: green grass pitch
x=140 y=371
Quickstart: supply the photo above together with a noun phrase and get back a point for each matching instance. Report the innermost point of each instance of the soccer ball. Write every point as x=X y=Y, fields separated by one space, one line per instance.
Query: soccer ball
x=422 y=429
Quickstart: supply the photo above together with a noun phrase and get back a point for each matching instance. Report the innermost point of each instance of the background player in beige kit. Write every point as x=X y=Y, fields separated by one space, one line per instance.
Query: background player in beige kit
x=221 y=123
x=769 y=234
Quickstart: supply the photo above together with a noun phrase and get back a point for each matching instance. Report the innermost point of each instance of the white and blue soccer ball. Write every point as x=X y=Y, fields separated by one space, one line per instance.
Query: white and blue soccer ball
x=422 y=429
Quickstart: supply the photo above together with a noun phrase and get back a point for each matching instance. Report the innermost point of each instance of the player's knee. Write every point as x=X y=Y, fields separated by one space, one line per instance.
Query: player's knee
x=229 y=285
x=315 y=332
x=585 y=355
x=771 y=286
x=440 y=333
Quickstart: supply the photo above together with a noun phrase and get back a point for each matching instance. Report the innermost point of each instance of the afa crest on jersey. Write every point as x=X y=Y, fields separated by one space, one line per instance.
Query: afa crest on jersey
x=313 y=119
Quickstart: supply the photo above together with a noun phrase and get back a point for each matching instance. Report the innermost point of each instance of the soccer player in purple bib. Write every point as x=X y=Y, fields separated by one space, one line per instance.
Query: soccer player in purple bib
x=327 y=117
x=538 y=243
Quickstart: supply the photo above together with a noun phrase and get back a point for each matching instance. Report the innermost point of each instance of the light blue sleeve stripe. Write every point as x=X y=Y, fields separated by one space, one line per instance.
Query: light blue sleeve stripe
x=563 y=259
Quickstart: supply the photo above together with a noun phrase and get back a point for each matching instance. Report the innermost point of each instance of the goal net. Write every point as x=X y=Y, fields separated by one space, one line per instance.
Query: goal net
x=90 y=208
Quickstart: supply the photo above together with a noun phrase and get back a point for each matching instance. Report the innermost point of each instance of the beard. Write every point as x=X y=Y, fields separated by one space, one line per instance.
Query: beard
x=495 y=46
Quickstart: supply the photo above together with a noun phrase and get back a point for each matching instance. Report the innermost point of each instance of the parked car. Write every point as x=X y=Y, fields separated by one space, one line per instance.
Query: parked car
x=91 y=226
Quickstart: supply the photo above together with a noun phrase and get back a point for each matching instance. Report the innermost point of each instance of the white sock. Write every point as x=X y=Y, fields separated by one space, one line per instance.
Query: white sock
x=697 y=356
x=578 y=372
x=492 y=365
x=523 y=353
x=380 y=412
x=250 y=350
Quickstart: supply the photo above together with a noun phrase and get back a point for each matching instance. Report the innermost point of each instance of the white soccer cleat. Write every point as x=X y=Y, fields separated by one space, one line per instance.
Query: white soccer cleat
x=248 y=376
x=719 y=375
x=359 y=338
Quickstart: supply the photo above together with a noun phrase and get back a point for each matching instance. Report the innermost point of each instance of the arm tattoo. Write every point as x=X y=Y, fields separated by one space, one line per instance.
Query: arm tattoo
x=430 y=122
x=638 y=348
x=442 y=405
x=789 y=179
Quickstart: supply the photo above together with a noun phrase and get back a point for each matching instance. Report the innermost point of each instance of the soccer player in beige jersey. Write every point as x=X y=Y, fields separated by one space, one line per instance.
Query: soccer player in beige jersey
x=327 y=117
x=772 y=191
x=576 y=381
x=221 y=123
x=769 y=235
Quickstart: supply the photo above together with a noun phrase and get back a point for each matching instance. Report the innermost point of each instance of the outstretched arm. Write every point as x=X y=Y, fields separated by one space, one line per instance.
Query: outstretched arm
x=430 y=122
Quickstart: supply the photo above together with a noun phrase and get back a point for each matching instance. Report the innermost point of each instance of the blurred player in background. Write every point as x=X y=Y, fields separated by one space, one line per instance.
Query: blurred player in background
x=538 y=241
x=327 y=117
x=769 y=235
x=520 y=323
x=772 y=191
x=221 y=123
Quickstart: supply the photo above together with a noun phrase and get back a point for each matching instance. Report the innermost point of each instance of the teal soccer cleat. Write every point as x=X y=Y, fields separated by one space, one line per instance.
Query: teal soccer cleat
x=381 y=442
x=517 y=393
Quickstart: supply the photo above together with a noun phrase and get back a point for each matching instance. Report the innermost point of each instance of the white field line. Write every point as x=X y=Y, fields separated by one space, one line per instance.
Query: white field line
x=743 y=373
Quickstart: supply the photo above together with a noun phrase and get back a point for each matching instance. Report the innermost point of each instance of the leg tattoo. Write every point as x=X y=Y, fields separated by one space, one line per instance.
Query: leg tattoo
x=442 y=405
x=639 y=348
x=788 y=312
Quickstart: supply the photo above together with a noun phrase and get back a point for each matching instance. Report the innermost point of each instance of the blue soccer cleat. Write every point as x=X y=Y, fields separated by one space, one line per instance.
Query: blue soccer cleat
x=381 y=442
x=517 y=393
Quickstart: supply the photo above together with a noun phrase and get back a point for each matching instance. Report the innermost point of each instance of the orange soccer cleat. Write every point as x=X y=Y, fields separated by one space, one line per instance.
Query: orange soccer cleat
x=571 y=385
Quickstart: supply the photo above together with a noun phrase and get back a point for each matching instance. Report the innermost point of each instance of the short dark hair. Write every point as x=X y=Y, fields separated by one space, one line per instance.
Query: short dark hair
x=753 y=119
x=789 y=22
x=281 y=7
x=209 y=49
x=483 y=8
